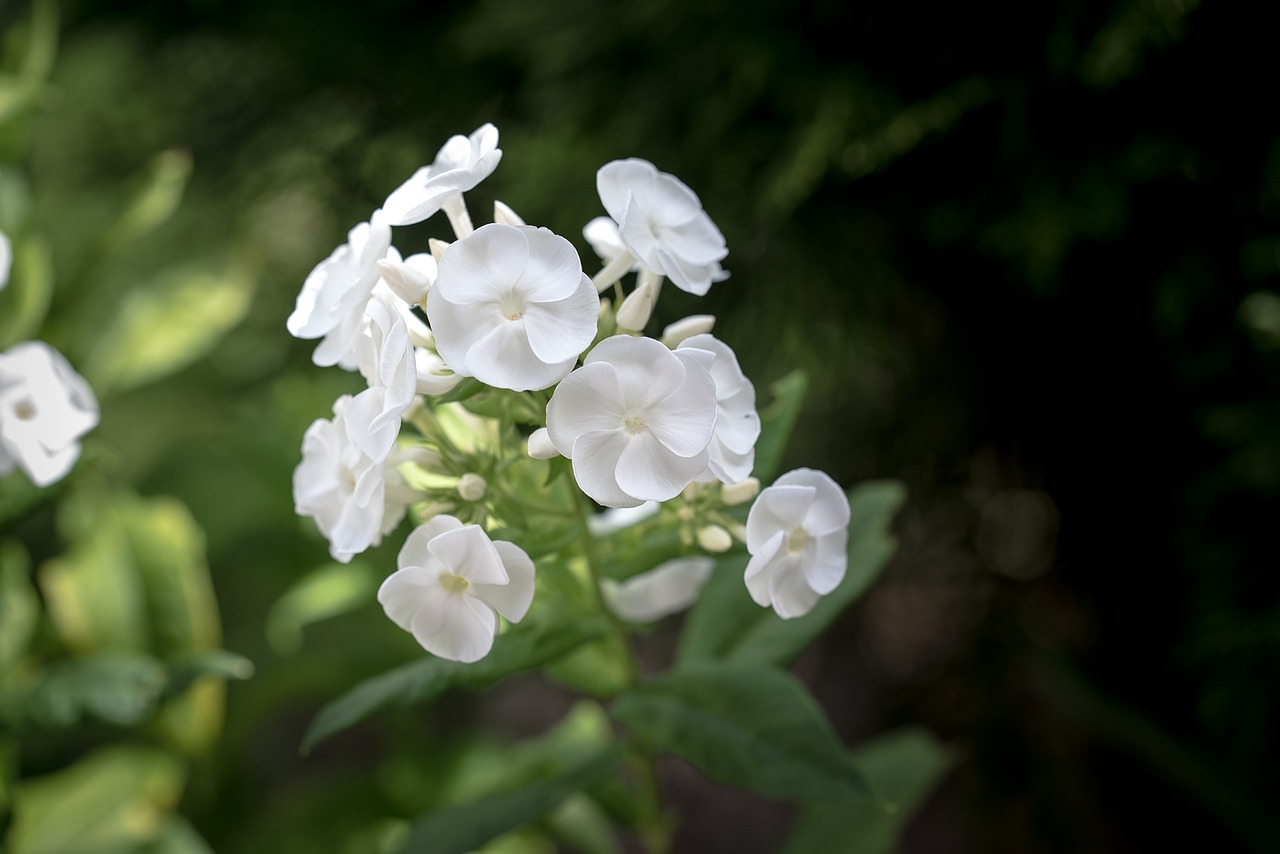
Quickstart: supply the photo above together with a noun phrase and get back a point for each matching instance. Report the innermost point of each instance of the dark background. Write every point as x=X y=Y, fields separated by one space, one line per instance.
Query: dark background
x=1027 y=253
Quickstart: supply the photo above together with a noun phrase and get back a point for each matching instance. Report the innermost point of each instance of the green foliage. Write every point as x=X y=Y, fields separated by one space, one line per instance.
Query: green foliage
x=744 y=726
x=777 y=422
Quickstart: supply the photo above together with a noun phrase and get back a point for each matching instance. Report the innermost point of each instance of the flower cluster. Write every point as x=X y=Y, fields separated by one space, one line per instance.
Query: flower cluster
x=489 y=358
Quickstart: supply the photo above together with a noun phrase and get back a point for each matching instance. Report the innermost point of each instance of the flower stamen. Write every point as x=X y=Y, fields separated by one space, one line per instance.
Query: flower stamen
x=453 y=583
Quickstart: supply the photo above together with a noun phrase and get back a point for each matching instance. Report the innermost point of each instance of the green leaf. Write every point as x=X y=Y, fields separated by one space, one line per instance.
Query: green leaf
x=155 y=202
x=25 y=302
x=41 y=45
x=163 y=328
x=110 y=801
x=777 y=421
x=177 y=837
x=463 y=828
x=327 y=591
x=727 y=625
x=116 y=688
x=522 y=648
x=19 y=605
x=756 y=728
x=903 y=766
x=94 y=595
x=186 y=669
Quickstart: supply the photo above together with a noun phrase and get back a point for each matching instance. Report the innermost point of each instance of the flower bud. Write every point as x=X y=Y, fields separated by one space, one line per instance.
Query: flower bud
x=740 y=493
x=738 y=531
x=715 y=539
x=637 y=308
x=540 y=447
x=693 y=491
x=471 y=487
x=694 y=324
x=505 y=215
x=407 y=283
x=437 y=247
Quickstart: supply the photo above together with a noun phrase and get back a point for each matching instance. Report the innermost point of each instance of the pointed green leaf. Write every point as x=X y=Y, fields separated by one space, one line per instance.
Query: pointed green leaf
x=327 y=591
x=777 y=422
x=727 y=625
x=903 y=766
x=751 y=727
x=463 y=828
x=524 y=647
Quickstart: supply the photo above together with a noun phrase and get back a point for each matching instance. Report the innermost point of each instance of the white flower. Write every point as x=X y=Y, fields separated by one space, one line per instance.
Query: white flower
x=411 y=278
x=461 y=164
x=6 y=258
x=606 y=242
x=668 y=589
x=694 y=324
x=512 y=308
x=733 y=448
x=340 y=486
x=635 y=419
x=331 y=304
x=797 y=534
x=385 y=356
x=539 y=445
x=451 y=581
x=45 y=407
x=662 y=223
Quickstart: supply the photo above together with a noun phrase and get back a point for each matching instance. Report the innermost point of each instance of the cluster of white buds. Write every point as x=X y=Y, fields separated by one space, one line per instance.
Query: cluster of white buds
x=507 y=306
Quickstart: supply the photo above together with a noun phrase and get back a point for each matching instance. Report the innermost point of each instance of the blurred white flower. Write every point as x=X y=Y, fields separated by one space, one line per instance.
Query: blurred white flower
x=332 y=302
x=6 y=258
x=451 y=581
x=461 y=164
x=512 y=308
x=386 y=358
x=539 y=445
x=45 y=407
x=733 y=447
x=635 y=419
x=668 y=589
x=662 y=224
x=340 y=486
x=797 y=534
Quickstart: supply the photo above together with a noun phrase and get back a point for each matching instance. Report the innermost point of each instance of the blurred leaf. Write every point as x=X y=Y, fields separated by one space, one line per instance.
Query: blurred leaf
x=41 y=46
x=112 y=800
x=581 y=825
x=325 y=592
x=600 y=668
x=463 y=828
x=155 y=202
x=726 y=624
x=215 y=662
x=521 y=648
x=777 y=421
x=25 y=301
x=177 y=837
x=94 y=595
x=163 y=328
x=751 y=727
x=903 y=767
x=19 y=605
x=117 y=688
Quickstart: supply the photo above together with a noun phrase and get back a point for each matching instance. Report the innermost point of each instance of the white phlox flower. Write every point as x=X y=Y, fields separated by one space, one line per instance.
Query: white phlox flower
x=45 y=407
x=797 y=534
x=340 y=486
x=606 y=242
x=434 y=377
x=512 y=307
x=452 y=582
x=733 y=447
x=6 y=259
x=636 y=420
x=410 y=279
x=461 y=164
x=386 y=358
x=669 y=588
x=332 y=302
x=662 y=224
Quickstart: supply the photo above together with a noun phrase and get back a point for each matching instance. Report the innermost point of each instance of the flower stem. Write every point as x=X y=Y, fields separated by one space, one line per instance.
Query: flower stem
x=455 y=207
x=613 y=271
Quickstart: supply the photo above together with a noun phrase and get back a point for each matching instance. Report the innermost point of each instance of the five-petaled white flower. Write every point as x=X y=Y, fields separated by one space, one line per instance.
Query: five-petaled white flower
x=733 y=447
x=797 y=534
x=340 y=486
x=666 y=589
x=512 y=307
x=45 y=407
x=331 y=304
x=635 y=419
x=451 y=581
x=461 y=164
x=662 y=223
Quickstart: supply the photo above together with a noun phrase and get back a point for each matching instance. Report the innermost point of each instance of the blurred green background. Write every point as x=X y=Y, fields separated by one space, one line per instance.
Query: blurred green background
x=1027 y=253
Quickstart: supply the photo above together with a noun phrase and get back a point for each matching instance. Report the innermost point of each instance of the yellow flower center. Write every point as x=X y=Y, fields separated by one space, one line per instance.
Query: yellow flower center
x=453 y=583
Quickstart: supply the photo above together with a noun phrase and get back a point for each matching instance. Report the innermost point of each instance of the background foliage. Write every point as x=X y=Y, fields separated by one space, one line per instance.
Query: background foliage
x=1032 y=275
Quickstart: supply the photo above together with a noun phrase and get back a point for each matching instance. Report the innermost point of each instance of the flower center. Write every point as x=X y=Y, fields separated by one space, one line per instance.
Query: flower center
x=512 y=306
x=24 y=410
x=797 y=540
x=453 y=583
x=633 y=424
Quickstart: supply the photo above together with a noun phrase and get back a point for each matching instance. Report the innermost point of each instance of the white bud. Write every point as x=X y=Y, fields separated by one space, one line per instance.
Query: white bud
x=739 y=532
x=715 y=539
x=694 y=324
x=637 y=308
x=427 y=458
x=505 y=215
x=540 y=447
x=437 y=247
x=407 y=283
x=740 y=493
x=471 y=487
x=693 y=491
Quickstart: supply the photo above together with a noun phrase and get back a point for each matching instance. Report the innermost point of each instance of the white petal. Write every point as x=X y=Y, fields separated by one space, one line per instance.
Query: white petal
x=729 y=467
x=615 y=180
x=553 y=270
x=647 y=469
x=830 y=509
x=468 y=552
x=761 y=567
x=602 y=234
x=402 y=593
x=458 y=326
x=789 y=590
x=540 y=446
x=587 y=400
x=512 y=599
x=482 y=266
x=595 y=465
x=682 y=330
x=6 y=258
x=697 y=241
x=504 y=359
x=685 y=419
x=777 y=508
x=667 y=589
x=462 y=629
x=826 y=559
x=563 y=329
x=646 y=370
x=414 y=552
x=688 y=277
